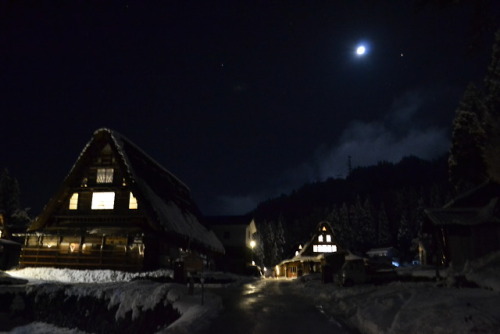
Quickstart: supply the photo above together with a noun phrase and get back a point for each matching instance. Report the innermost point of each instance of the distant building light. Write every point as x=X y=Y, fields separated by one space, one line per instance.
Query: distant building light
x=253 y=244
x=324 y=248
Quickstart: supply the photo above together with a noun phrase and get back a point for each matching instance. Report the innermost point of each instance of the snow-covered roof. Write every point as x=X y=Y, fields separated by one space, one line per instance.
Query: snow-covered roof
x=466 y=216
x=168 y=199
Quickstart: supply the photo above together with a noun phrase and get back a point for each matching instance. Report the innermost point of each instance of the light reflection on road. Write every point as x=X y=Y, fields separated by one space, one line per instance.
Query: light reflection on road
x=269 y=306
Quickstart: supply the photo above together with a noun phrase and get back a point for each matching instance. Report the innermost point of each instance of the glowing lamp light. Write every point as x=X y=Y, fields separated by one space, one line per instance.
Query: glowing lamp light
x=252 y=244
x=360 y=50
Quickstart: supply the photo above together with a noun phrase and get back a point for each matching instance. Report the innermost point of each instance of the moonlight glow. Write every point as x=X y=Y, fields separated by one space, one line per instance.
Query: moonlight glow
x=360 y=50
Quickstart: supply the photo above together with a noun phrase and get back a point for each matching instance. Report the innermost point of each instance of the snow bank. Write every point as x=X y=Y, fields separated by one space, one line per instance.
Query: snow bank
x=125 y=295
x=6 y=279
x=485 y=272
x=408 y=307
x=85 y=276
x=44 y=328
x=195 y=317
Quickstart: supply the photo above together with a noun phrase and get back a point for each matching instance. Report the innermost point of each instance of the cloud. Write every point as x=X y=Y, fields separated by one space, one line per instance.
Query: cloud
x=369 y=143
x=401 y=132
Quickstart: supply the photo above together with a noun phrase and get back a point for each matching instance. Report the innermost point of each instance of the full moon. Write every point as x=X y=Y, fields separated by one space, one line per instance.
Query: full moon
x=360 y=50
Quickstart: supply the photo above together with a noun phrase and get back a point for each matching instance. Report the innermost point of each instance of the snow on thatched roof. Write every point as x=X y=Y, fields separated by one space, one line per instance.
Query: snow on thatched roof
x=171 y=207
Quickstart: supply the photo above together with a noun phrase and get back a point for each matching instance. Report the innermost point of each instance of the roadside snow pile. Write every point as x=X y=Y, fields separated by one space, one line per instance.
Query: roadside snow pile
x=85 y=276
x=485 y=272
x=134 y=297
x=44 y=328
x=111 y=301
x=409 y=307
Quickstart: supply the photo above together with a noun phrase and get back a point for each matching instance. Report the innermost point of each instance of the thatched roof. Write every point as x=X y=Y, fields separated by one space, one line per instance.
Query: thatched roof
x=167 y=200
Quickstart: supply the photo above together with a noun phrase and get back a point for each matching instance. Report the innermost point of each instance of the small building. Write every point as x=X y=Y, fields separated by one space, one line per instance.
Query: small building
x=118 y=209
x=468 y=227
x=322 y=251
x=238 y=236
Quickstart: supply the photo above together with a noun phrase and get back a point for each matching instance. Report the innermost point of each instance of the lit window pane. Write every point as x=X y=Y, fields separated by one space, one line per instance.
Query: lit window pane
x=315 y=248
x=328 y=238
x=320 y=238
x=103 y=201
x=132 y=204
x=105 y=175
x=73 y=202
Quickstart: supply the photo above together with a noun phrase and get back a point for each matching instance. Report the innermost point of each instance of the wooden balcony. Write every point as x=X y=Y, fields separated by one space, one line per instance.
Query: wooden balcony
x=116 y=259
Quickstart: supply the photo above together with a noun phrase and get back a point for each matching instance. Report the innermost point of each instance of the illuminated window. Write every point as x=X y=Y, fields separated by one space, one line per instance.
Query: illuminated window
x=73 y=202
x=132 y=203
x=103 y=200
x=324 y=248
x=323 y=229
x=105 y=175
x=328 y=238
x=320 y=238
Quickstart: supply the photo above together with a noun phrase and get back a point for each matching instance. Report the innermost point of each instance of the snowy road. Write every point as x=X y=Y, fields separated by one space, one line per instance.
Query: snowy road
x=270 y=306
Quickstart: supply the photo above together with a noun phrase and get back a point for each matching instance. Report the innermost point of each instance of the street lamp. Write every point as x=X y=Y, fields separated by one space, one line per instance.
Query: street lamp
x=252 y=246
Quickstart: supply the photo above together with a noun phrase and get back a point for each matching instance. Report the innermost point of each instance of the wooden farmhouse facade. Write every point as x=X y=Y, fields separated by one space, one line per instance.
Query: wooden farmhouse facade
x=468 y=227
x=118 y=209
x=322 y=251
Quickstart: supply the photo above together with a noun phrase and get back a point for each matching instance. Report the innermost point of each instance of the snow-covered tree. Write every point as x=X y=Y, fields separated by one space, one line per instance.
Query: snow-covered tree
x=492 y=119
x=466 y=163
x=384 y=235
x=10 y=202
x=9 y=193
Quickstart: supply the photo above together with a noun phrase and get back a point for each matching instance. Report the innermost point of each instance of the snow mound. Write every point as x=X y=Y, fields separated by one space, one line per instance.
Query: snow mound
x=85 y=276
x=408 y=307
x=44 y=328
x=6 y=279
x=485 y=271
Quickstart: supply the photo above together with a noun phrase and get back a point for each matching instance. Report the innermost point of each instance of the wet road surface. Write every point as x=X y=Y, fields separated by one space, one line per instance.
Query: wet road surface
x=270 y=306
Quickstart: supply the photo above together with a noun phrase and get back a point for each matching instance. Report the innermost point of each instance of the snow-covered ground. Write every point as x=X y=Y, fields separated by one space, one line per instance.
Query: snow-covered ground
x=446 y=306
x=450 y=305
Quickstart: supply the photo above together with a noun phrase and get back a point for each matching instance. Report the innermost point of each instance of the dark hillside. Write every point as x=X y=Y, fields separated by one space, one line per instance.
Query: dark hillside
x=374 y=206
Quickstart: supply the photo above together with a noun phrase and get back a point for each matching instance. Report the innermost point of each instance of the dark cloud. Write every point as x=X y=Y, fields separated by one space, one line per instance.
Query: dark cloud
x=398 y=134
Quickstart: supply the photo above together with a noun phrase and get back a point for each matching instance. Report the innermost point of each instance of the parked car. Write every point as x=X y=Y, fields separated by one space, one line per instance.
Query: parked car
x=352 y=272
x=359 y=271
x=253 y=271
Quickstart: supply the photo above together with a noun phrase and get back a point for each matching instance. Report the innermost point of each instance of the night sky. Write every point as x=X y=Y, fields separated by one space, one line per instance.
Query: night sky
x=242 y=101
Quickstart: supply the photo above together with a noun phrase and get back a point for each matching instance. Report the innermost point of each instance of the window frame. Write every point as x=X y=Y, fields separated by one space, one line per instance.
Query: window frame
x=104 y=175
